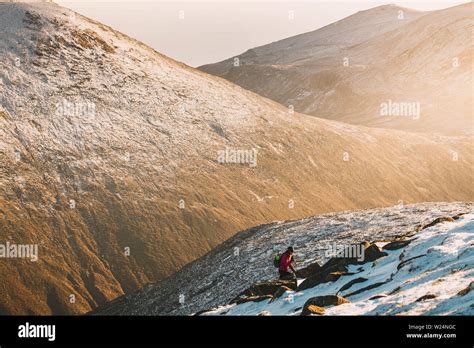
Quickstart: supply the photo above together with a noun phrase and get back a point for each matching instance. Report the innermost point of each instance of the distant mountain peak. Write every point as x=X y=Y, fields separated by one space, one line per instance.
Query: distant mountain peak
x=361 y=61
x=392 y=7
x=123 y=165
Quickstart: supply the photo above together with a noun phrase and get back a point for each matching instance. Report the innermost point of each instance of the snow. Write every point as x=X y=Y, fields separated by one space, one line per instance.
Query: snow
x=219 y=276
x=446 y=266
x=346 y=70
x=152 y=140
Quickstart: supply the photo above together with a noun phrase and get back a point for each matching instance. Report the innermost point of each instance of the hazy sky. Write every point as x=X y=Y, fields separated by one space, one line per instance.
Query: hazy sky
x=199 y=32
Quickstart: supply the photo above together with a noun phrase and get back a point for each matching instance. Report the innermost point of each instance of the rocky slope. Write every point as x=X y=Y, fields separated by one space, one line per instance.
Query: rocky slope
x=352 y=69
x=420 y=249
x=431 y=273
x=111 y=162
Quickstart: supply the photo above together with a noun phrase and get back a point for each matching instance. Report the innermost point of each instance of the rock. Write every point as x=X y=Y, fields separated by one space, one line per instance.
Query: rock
x=372 y=253
x=370 y=287
x=426 y=297
x=202 y=312
x=280 y=291
x=312 y=309
x=335 y=267
x=338 y=264
x=264 y=314
x=320 y=278
x=352 y=282
x=378 y=296
x=324 y=301
x=241 y=300
x=308 y=270
x=311 y=282
x=437 y=221
x=395 y=245
x=268 y=287
x=466 y=290
x=458 y=216
x=288 y=277
x=333 y=276
x=394 y=291
x=403 y=263
x=314 y=304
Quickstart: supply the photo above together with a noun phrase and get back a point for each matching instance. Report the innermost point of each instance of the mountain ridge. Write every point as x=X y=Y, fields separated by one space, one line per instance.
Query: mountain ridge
x=110 y=162
x=346 y=75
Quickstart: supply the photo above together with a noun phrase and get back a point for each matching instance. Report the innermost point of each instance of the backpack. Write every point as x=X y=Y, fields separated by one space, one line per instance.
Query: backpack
x=277 y=260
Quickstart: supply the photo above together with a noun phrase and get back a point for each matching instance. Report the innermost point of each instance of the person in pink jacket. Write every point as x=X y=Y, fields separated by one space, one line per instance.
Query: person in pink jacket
x=286 y=264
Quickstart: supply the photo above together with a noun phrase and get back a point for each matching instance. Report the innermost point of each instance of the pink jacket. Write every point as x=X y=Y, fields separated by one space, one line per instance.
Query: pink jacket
x=285 y=262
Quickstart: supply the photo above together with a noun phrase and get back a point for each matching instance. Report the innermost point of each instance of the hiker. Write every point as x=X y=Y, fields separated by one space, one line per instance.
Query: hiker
x=286 y=263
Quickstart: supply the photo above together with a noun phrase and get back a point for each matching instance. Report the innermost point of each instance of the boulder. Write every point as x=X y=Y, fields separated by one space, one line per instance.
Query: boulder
x=202 y=312
x=338 y=264
x=394 y=291
x=395 y=245
x=333 y=276
x=308 y=270
x=319 y=278
x=241 y=300
x=352 y=282
x=458 y=216
x=370 y=287
x=336 y=267
x=264 y=314
x=324 y=301
x=378 y=296
x=466 y=290
x=372 y=253
x=405 y=262
x=280 y=291
x=437 y=221
x=426 y=297
x=268 y=287
x=312 y=309
x=290 y=276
